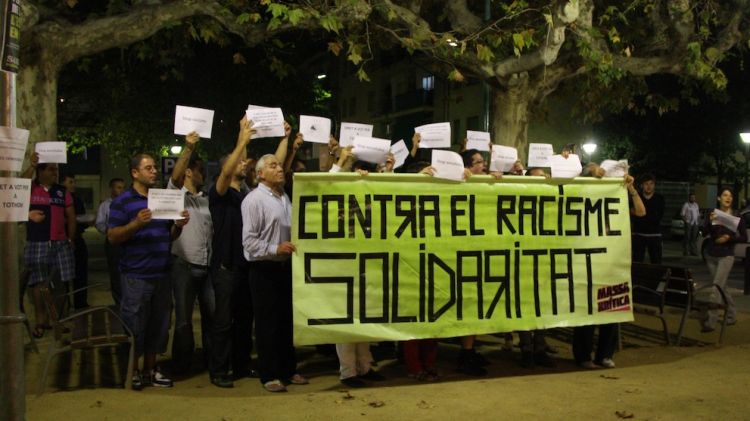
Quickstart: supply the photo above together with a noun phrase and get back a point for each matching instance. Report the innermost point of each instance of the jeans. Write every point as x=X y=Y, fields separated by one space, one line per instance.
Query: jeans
x=688 y=240
x=720 y=267
x=146 y=308
x=652 y=244
x=113 y=252
x=583 y=342
x=271 y=289
x=81 y=281
x=231 y=330
x=188 y=283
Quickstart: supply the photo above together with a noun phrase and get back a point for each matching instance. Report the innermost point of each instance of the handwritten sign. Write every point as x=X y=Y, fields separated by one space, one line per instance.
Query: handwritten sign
x=351 y=130
x=166 y=203
x=478 y=140
x=565 y=167
x=15 y=194
x=448 y=165
x=189 y=119
x=371 y=149
x=539 y=154
x=267 y=122
x=437 y=135
x=400 y=153
x=315 y=129
x=614 y=168
x=13 y=143
x=503 y=158
x=52 y=152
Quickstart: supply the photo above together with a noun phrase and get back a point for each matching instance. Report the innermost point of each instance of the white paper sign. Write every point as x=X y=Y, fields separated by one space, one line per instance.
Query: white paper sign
x=614 y=168
x=448 y=165
x=478 y=140
x=437 y=135
x=503 y=158
x=722 y=218
x=51 y=152
x=351 y=130
x=15 y=194
x=400 y=153
x=565 y=167
x=189 y=119
x=315 y=129
x=539 y=154
x=371 y=149
x=13 y=143
x=267 y=122
x=166 y=203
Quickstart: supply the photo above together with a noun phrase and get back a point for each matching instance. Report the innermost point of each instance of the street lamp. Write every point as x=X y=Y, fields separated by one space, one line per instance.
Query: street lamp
x=175 y=149
x=589 y=147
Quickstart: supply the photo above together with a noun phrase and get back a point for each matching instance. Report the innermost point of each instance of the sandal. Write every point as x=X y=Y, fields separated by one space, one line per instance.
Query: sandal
x=38 y=331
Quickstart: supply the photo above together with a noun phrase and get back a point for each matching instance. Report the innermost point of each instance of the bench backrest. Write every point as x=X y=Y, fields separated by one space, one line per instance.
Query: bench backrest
x=680 y=287
x=649 y=283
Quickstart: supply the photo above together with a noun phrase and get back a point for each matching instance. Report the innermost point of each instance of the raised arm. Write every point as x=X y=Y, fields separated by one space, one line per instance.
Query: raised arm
x=29 y=171
x=178 y=173
x=282 y=150
x=239 y=152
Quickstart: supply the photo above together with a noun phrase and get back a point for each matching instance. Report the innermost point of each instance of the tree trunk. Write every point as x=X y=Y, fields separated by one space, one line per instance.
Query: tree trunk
x=37 y=100
x=510 y=116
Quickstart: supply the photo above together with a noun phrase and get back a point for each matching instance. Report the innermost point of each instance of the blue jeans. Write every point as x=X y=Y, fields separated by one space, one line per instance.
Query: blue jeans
x=146 y=307
x=188 y=283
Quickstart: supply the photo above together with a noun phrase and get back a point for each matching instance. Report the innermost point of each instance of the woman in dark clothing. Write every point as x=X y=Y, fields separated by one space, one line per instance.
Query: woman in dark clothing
x=720 y=258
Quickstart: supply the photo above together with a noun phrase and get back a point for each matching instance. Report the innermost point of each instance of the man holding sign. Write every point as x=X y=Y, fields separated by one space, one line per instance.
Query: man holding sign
x=144 y=265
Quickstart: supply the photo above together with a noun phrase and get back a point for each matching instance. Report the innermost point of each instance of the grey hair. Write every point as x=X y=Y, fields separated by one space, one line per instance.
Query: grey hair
x=261 y=164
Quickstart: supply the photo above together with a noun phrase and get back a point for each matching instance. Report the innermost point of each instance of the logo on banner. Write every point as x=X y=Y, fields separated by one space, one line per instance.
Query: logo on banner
x=614 y=298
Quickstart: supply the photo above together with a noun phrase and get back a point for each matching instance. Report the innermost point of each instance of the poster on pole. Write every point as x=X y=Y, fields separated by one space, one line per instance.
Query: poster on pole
x=15 y=194
x=13 y=143
x=11 y=42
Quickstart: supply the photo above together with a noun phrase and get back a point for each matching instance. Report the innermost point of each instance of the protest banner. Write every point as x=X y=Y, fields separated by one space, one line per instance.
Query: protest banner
x=408 y=256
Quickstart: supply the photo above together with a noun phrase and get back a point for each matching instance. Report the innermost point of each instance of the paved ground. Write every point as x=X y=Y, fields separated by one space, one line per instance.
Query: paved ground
x=697 y=381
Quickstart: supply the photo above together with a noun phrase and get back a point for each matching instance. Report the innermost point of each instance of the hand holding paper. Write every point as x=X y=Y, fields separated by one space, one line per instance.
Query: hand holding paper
x=188 y=119
x=448 y=165
x=437 y=135
x=52 y=152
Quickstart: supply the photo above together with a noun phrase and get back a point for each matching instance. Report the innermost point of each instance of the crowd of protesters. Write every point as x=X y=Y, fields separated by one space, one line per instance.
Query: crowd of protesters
x=231 y=251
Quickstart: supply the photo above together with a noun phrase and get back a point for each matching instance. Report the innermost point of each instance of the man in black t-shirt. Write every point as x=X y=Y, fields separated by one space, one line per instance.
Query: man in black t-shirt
x=647 y=229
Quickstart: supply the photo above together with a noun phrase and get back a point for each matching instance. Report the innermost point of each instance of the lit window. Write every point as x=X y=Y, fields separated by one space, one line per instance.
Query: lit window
x=428 y=83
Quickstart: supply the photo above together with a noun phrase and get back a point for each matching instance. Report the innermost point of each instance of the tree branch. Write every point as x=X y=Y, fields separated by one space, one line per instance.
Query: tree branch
x=566 y=13
x=461 y=18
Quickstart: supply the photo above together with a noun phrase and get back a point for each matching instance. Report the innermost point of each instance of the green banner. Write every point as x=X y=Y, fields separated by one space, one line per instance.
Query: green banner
x=408 y=256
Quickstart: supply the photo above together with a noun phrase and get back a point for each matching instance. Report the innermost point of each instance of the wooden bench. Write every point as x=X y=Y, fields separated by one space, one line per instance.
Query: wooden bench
x=660 y=286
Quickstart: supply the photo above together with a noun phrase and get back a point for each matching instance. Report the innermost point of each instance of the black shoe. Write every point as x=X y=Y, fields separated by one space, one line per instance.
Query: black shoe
x=222 y=381
x=527 y=359
x=353 y=382
x=245 y=373
x=372 y=376
x=137 y=381
x=544 y=360
x=479 y=359
x=468 y=365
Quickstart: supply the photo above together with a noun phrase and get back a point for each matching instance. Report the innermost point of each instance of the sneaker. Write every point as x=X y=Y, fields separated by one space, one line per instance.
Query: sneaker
x=589 y=365
x=137 y=381
x=373 y=376
x=607 y=363
x=274 y=386
x=222 y=381
x=353 y=382
x=158 y=379
x=544 y=360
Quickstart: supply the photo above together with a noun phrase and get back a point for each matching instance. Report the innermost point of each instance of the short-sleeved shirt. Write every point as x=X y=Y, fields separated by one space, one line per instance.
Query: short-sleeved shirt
x=227 y=221
x=650 y=224
x=194 y=244
x=146 y=254
x=52 y=201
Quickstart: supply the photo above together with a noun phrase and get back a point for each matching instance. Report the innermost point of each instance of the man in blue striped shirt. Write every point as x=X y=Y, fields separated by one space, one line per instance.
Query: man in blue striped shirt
x=144 y=266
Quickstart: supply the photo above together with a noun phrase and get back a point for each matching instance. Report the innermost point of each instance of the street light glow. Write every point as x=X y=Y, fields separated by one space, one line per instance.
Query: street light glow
x=452 y=42
x=589 y=147
x=745 y=137
x=176 y=149
x=321 y=76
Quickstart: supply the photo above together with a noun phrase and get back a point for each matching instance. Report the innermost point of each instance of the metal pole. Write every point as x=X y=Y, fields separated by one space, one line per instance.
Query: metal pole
x=486 y=92
x=12 y=379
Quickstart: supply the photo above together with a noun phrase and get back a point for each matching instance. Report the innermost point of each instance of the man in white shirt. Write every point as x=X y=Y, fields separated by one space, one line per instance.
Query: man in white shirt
x=691 y=216
x=112 y=251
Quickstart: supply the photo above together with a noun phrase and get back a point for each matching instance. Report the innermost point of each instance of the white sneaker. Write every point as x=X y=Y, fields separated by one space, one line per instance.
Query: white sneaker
x=607 y=363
